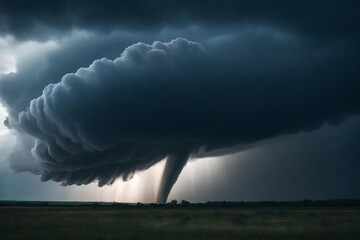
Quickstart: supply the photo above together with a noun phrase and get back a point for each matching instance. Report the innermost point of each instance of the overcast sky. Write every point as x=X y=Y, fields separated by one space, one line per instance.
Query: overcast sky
x=241 y=101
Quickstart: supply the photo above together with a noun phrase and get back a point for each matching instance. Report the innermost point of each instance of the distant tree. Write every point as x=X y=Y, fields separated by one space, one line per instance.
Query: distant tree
x=173 y=202
x=185 y=203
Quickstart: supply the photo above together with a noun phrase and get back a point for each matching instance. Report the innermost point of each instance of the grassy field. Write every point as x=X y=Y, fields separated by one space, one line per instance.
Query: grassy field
x=180 y=223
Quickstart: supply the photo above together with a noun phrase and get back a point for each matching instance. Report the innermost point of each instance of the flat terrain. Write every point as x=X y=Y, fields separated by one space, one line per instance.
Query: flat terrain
x=179 y=223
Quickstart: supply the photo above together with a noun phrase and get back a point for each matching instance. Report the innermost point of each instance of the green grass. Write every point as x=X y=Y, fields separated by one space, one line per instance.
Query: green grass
x=187 y=223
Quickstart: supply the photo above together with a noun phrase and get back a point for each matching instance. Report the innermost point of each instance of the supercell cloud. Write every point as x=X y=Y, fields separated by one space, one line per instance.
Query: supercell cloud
x=248 y=73
x=173 y=100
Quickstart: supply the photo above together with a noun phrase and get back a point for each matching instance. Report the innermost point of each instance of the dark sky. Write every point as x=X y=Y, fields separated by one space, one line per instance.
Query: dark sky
x=265 y=95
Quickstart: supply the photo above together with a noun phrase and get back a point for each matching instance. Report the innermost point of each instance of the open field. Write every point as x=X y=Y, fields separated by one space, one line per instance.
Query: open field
x=179 y=223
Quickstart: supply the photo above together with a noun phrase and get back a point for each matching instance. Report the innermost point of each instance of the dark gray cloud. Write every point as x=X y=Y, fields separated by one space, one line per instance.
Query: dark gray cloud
x=42 y=19
x=48 y=65
x=130 y=152
x=171 y=99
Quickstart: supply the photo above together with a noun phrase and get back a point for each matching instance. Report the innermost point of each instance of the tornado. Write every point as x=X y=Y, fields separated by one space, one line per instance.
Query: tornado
x=173 y=167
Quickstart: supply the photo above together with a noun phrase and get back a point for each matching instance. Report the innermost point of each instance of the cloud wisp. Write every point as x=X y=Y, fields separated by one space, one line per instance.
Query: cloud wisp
x=44 y=20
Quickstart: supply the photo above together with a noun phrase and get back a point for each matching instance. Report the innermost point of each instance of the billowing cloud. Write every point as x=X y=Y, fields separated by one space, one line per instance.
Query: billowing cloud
x=179 y=99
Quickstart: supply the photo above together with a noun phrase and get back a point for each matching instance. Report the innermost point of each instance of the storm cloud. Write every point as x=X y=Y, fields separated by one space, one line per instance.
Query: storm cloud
x=83 y=109
x=38 y=19
x=174 y=99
